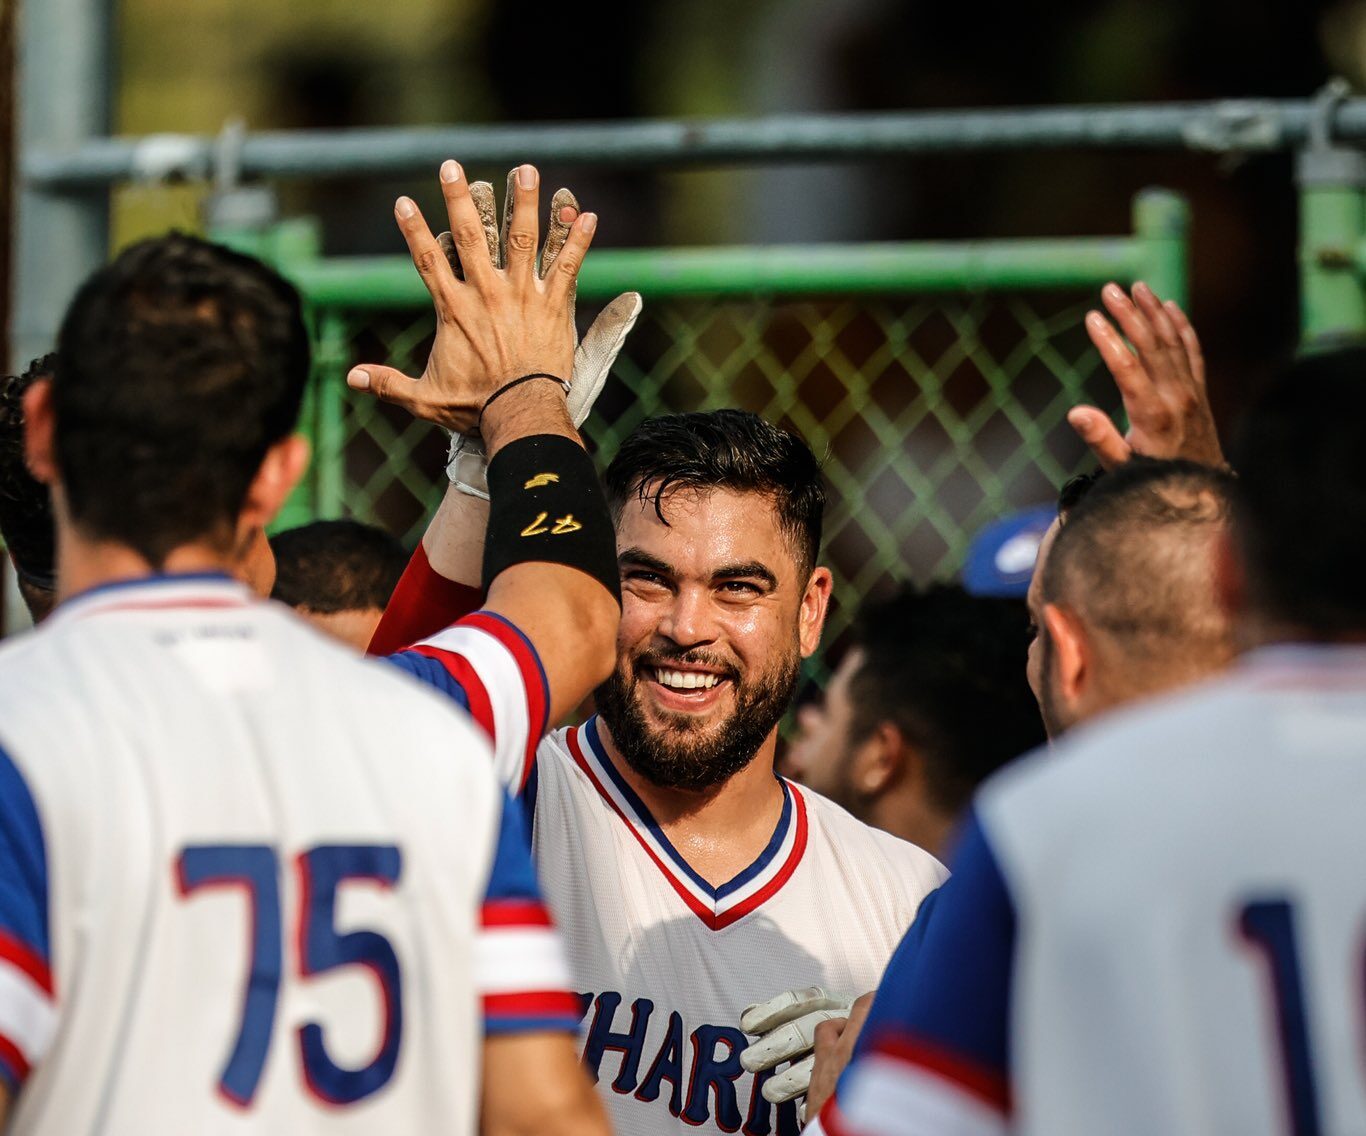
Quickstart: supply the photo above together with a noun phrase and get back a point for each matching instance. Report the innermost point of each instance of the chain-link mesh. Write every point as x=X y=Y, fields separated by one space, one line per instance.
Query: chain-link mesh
x=932 y=415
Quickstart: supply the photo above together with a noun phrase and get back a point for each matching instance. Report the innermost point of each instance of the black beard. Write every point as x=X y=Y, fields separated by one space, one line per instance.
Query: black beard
x=672 y=759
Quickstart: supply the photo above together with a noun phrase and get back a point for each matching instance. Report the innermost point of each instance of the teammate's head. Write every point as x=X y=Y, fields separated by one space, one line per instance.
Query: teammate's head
x=1123 y=600
x=718 y=527
x=930 y=699
x=339 y=575
x=181 y=367
x=25 y=503
x=1300 y=505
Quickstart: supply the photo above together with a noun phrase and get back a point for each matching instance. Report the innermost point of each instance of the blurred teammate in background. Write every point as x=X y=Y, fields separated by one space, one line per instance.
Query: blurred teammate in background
x=688 y=878
x=900 y=739
x=195 y=788
x=1168 y=900
x=338 y=575
x=25 y=503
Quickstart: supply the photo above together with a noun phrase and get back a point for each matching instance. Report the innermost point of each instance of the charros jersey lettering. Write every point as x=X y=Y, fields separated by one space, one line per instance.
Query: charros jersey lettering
x=249 y=880
x=1157 y=927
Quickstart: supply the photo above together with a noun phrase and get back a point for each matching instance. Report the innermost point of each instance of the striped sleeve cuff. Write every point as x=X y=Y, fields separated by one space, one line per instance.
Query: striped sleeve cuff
x=505 y=684
x=520 y=971
x=28 y=1016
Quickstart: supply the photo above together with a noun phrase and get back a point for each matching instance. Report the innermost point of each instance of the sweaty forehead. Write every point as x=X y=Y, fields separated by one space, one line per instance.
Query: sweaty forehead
x=704 y=530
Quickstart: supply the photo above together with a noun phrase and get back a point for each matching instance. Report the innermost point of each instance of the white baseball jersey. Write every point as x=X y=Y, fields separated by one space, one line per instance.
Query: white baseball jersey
x=1160 y=928
x=251 y=883
x=665 y=963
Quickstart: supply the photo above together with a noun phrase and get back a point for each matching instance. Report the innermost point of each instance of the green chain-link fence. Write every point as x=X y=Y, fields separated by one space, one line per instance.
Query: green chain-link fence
x=933 y=380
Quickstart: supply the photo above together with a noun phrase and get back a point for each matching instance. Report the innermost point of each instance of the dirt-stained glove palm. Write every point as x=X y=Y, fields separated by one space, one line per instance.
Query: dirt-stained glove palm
x=785 y=1027
x=466 y=464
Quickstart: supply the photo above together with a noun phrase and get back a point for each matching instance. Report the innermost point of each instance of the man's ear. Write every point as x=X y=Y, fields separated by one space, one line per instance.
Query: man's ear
x=880 y=761
x=39 y=440
x=280 y=471
x=1230 y=580
x=1072 y=657
x=815 y=604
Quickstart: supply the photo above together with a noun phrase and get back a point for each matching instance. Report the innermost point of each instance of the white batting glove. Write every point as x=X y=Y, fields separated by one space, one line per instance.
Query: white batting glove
x=786 y=1030
x=466 y=462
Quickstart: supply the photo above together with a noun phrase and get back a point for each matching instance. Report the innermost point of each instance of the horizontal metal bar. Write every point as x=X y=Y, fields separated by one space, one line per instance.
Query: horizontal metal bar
x=1230 y=125
x=369 y=283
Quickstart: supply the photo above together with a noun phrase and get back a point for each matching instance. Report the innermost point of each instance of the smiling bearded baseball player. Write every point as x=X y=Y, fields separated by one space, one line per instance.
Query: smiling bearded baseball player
x=688 y=879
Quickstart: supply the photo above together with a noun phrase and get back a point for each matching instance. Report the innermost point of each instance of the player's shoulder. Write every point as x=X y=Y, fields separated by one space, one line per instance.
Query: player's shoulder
x=875 y=851
x=1115 y=769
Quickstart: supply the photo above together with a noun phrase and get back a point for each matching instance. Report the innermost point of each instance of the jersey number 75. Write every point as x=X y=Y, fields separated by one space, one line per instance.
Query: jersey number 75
x=322 y=870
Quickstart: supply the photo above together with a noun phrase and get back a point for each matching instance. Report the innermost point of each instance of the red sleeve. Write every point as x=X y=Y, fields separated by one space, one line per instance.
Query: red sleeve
x=424 y=603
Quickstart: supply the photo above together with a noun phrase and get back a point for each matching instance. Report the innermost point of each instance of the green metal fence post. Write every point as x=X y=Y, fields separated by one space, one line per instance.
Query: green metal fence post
x=1331 y=179
x=1162 y=230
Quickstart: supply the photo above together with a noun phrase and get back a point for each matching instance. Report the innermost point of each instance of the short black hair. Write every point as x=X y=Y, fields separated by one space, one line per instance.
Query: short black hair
x=331 y=566
x=179 y=365
x=723 y=449
x=1127 y=557
x=1300 y=498
x=948 y=670
x=25 y=502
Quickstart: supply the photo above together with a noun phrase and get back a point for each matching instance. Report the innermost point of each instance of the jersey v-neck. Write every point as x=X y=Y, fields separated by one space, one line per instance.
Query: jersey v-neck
x=717 y=907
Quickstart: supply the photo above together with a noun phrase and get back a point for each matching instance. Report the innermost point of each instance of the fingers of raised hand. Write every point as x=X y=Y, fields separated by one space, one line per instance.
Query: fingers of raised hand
x=428 y=256
x=1100 y=435
x=1158 y=318
x=467 y=226
x=481 y=193
x=520 y=223
x=564 y=211
x=1195 y=356
x=564 y=273
x=1132 y=322
x=1129 y=375
x=385 y=383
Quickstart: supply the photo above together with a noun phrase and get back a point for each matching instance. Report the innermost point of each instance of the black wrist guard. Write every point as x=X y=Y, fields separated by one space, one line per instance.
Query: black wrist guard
x=545 y=504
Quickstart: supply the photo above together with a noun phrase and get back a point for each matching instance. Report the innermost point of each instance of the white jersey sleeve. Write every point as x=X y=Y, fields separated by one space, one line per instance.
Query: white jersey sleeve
x=491 y=670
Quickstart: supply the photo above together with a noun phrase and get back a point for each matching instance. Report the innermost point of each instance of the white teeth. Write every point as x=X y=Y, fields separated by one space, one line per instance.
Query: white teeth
x=685 y=680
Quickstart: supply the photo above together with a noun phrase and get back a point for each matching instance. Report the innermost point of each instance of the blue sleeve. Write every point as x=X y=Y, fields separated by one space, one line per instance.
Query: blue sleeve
x=513 y=876
x=950 y=992
x=24 y=945
x=430 y=672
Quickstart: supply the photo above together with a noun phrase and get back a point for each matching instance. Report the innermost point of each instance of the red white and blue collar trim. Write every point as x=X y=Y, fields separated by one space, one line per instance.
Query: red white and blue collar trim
x=717 y=907
x=157 y=593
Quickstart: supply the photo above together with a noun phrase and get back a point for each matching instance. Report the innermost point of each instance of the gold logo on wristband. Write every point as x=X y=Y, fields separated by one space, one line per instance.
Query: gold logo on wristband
x=541 y=480
x=562 y=525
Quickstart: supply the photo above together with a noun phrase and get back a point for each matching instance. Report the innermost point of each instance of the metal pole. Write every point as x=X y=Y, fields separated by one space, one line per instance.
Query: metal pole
x=1241 y=126
x=63 y=66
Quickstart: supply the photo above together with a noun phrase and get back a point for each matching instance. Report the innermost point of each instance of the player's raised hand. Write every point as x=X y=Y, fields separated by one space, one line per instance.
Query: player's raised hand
x=466 y=463
x=495 y=325
x=1162 y=383
x=785 y=1027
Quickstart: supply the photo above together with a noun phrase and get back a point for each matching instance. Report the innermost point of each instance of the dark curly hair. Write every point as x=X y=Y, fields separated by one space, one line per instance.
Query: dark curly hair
x=723 y=449
x=25 y=503
x=179 y=365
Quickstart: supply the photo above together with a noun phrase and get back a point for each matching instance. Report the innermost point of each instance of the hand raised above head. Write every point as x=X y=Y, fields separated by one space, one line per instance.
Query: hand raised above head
x=498 y=323
x=1162 y=383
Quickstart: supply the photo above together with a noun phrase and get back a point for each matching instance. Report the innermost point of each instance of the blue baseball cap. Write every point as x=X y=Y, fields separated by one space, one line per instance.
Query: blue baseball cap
x=1001 y=557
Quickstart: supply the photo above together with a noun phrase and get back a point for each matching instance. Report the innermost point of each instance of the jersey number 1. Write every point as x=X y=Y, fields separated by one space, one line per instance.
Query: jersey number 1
x=322 y=870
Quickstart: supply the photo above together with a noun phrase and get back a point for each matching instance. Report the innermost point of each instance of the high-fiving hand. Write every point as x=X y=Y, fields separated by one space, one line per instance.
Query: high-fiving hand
x=466 y=463
x=499 y=322
x=1162 y=383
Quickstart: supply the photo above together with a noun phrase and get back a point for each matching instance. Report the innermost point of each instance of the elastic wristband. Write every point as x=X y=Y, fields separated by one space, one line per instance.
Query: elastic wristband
x=546 y=505
x=564 y=386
